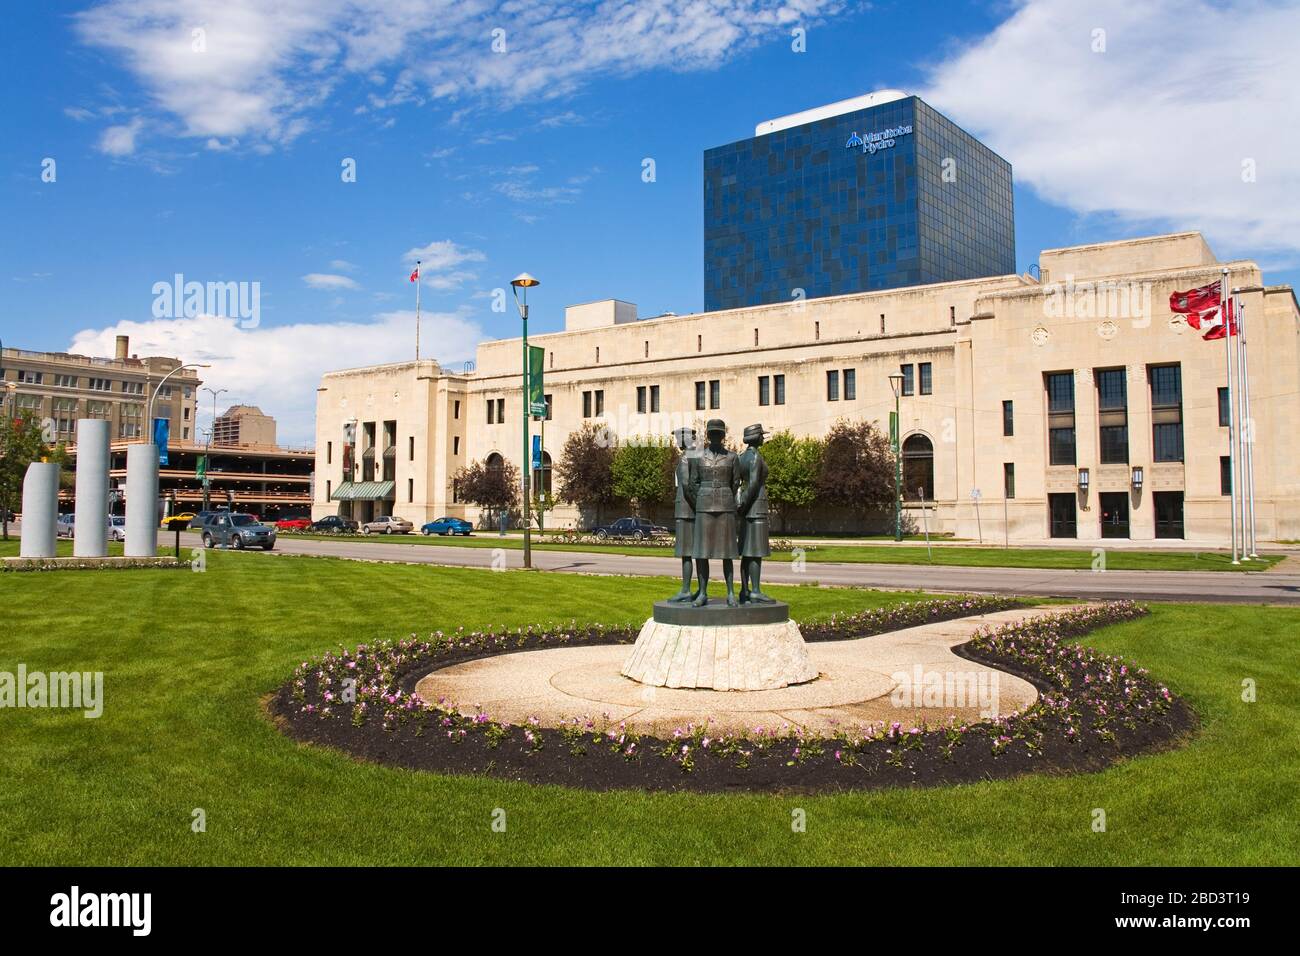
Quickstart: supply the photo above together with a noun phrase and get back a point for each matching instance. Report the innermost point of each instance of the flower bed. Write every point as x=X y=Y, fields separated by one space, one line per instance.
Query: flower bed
x=112 y=563
x=1093 y=710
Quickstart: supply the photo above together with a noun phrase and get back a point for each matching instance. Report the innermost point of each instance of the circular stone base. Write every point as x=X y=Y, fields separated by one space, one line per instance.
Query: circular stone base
x=720 y=656
x=717 y=614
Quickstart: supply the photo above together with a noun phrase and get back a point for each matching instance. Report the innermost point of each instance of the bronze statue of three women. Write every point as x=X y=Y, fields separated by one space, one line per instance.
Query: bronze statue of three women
x=721 y=512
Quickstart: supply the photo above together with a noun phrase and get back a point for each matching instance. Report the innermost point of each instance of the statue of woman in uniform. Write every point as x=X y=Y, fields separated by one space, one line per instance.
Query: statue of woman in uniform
x=754 y=546
x=714 y=478
x=684 y=514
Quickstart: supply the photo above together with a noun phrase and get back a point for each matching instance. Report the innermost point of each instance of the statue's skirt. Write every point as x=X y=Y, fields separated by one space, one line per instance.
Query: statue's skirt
x=715 y=535
x=754 y=541
x=685 y=546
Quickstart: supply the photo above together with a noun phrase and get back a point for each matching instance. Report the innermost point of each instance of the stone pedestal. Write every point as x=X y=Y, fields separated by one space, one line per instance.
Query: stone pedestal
x=40 y=510
x=751 y=647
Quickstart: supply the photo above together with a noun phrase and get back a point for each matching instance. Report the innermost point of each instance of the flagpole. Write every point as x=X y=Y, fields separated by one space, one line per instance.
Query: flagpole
x=1232 y=412
x=1243 y=433
x=418 y=279
x=1244 y=345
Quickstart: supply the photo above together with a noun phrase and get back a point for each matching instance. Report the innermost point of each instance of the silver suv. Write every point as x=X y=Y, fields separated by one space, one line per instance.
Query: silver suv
x=237 y=531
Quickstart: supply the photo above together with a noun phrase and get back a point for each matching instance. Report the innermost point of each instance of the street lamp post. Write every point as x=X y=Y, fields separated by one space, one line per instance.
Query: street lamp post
x=525 y=282
x=896 y=429
x=207 y=481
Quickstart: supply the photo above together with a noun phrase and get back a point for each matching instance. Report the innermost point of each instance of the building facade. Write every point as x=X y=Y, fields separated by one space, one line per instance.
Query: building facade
x=244 y=425
x=1073 y=406
x=62 y=388
x=873 y=193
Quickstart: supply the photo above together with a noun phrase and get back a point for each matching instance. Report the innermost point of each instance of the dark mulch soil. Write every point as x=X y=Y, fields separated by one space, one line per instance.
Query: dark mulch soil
x=1034 y=742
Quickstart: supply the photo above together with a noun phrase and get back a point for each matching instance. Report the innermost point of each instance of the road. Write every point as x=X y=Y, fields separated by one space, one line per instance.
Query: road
x=1273 y=587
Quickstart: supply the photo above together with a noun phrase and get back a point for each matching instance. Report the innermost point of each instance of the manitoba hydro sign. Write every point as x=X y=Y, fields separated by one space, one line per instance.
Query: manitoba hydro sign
x=872 y=142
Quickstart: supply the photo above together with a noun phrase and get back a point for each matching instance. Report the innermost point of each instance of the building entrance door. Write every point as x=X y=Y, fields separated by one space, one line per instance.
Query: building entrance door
x=1169 y=514
x=1061 y=508
x=1114 y=514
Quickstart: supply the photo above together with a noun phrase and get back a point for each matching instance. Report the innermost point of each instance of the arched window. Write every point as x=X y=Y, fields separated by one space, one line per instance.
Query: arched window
x=542 y=476
x=494 y=462
x=918 y=468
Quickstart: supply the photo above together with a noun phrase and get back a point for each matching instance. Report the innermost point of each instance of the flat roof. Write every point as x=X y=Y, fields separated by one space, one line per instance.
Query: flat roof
x=852 y=105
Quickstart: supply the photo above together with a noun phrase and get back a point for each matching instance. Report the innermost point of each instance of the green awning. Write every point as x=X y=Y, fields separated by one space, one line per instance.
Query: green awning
x=363 y=491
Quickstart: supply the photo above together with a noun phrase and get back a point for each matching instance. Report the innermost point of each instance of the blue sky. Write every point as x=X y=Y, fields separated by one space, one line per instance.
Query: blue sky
x=223 y=163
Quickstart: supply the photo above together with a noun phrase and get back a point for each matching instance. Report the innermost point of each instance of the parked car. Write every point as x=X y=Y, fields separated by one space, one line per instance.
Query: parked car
x=238 y=531
x=446 y=526
x=116 y=528
x=179 y=521
x=388 y=524
x=637 y=529
x=293 y=524
x=333 y=524
x=63 y=526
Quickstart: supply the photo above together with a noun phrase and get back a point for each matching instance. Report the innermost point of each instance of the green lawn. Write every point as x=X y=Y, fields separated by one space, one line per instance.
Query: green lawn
x=1080 y=558
x=188 y=656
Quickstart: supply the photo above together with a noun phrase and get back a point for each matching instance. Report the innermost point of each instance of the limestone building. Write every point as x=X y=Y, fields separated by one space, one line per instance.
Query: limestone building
x=1071 y=405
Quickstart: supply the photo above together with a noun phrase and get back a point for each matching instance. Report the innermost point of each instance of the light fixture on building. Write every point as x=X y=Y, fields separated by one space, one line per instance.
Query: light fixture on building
x=1083 y=479
x=1137 y=477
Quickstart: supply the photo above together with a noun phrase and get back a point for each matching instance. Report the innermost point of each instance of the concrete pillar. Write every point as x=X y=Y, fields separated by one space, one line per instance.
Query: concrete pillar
x=40 y=510
x=141 y=500
x=90 y=532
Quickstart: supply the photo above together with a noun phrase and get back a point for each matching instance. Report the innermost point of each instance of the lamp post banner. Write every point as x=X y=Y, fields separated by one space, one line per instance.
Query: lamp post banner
x=161 y=431
x=536 y=398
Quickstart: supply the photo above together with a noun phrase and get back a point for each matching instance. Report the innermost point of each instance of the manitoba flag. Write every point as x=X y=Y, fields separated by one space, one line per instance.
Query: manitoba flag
x=1201 y=307
x=415 y=274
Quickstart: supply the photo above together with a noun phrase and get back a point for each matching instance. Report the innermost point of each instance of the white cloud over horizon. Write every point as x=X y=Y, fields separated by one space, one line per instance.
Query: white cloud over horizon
x=329 y=281
x=264 y=68
x=279 y=367
x=1156 y=130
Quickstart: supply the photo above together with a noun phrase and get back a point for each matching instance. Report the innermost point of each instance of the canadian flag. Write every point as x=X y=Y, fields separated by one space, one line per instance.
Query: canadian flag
x=1201 y=307
x=415 y=274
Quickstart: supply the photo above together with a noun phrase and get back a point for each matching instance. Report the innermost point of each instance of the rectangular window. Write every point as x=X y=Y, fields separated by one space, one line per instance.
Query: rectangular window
x=1060 y=418
x=586 y=404
x=1166 y=412
x=100 y=385
x=833 y=386
x=456 y=409
x=927 y=382
x=491 y=411
x=600 y=402
x=501 y=410
x=1225 y=413
x=410 y=489
x=550 y=406
x=715 y=393
x=1112 y=415
x=654 y=398
x=699 y=397
x=641 y=399
x=850 y=384
x=909 y=382
x=1008 y=418
x=329 y=453
x=764 y=390
x=65 y=381
x=1008 y=479
x=1225 y=475
x=30 y=378
x=952 y=315
x=778 y=386
x=455 y=445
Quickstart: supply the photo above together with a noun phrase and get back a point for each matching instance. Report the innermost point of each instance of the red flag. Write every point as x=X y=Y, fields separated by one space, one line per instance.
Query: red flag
x=1201 y=308
x=415 y=274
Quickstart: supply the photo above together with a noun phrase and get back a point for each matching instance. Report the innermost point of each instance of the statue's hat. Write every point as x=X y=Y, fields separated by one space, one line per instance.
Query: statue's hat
x=715 y=425
x=754 y=431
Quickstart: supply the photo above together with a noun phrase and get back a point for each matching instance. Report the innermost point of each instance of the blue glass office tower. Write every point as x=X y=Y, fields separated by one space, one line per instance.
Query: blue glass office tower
x=891 y=195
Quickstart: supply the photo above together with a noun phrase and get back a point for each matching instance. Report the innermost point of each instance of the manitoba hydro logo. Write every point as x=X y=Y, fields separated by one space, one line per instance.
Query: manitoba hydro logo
x=872 y=142
x=226 y=300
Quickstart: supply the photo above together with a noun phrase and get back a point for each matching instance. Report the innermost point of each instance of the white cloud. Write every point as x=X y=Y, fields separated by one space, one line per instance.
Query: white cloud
x=279 y=368
x=342 y=265
x=442 y=254
x=120 y=140
x=324 y=280
x=264 y=67
x=1157 y=129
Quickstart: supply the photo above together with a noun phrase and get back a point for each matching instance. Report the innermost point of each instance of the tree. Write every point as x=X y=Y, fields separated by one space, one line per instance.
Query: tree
x=22 y=441
x=857 y=470
x=493 y=487
x=794 y=467
x=586 y=468
x=643 y=472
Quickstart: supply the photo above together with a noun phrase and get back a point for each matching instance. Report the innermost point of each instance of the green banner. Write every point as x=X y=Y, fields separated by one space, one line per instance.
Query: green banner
x=893 y=431
x=201 y=469
x=536 y=398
